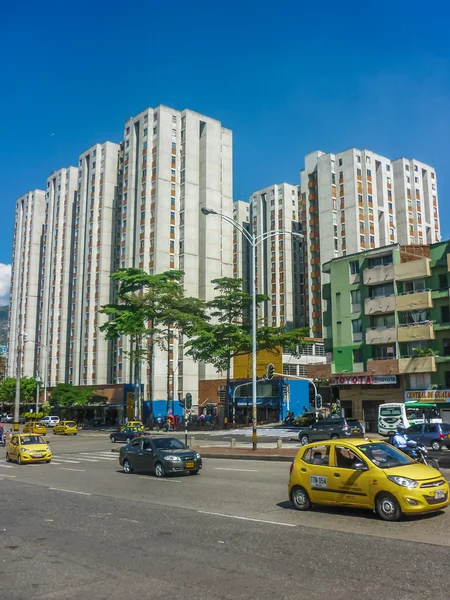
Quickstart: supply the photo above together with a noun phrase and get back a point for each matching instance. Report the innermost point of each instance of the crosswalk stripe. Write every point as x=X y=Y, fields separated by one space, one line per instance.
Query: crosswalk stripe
x=97 y=456
x=8 y=466
x=75 y=462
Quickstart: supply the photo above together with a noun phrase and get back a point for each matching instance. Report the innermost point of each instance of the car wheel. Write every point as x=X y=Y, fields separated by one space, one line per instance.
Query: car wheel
x=48 y=461
x=113 y=440
x=127 y=468
x=334 y=436
x=54 y=432
x=303 y=439
x=387 y=507
x=159 y=470
x=7 y=458
x=19 y=460
x=196 y=472
x=300 y=498
x=436 y=445
x=128 y=440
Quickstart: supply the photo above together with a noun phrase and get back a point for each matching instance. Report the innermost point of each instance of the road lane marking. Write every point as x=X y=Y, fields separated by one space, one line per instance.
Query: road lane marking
x=161 y=479
x=205 y=512
x=81 y=456
x=74 y=462
x=127 y=520
x=70 y=469
x=8 y=466
x=230 y=469
x=70 y=491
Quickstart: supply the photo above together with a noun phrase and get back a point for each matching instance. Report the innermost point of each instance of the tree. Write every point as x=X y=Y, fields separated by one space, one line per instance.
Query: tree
x=67 y=395
x=27 y=390
x=150 y=309
x=228 y=333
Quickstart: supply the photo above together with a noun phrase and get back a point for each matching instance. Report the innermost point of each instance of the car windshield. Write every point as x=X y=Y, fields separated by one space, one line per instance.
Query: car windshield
x=353 y=422
x=169 y=444
x=70 y=423
x=385 y=456
x=27 y=440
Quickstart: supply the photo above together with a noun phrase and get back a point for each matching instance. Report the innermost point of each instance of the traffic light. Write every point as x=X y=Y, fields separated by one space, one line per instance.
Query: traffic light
x=319 y=402
x=270 y=372
x=182 y=402
x=188 y=401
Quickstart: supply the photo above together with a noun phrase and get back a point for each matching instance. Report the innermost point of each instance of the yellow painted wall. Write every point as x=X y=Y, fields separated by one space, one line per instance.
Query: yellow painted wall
x=242 y=365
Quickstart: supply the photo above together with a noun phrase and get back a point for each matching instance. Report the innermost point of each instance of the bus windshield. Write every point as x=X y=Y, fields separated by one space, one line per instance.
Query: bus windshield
x=390 y=411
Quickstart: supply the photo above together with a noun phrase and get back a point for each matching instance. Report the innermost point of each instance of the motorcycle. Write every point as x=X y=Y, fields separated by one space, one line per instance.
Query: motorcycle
x=419 y=454
x=2 y=439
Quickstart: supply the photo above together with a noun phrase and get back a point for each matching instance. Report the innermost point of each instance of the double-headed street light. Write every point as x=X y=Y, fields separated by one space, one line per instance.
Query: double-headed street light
x=22 y=341
x=253 y=240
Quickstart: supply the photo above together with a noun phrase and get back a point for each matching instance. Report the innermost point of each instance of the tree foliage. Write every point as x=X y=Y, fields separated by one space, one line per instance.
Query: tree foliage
x=27 y=390
x=228 y=332
x=67 y=395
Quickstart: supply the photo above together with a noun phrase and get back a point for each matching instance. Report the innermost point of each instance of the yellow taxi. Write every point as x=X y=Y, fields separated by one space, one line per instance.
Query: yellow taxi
x=66 y=428
x=133 y=424
x=28 y=448
x=365 y=474
x=34 y=427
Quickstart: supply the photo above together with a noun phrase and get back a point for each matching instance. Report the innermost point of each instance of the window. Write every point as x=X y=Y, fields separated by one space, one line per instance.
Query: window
x=357 y=355
x=362 y=239
x=445 y=314
x=382 y=321
x=317 y=455
x=417 y=285
x=369 y=199
x=384 y=352
x=340 y=162
x=145 y=132
x=354 y=267
x=388 y=168
x=380 y=291
x=379 y=261
x=345 y=458
x=358 y=158
x=355 y=296
x=356 y=326
x=369 y=173
x=358 y=172
x=446 y=346
x=443 y=281
x=447 y=379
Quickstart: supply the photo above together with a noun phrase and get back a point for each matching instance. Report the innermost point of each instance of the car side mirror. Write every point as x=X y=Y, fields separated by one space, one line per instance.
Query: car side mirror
x=149 y=450
x=359 y=466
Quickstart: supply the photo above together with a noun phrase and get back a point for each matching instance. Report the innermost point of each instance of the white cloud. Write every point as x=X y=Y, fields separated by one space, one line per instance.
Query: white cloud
x=5 y=283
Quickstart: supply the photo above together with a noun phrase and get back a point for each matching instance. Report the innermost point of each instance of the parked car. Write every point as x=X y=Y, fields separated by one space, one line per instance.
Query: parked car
x=125 y=434
x=50 y=421
x=7 y=419
x=160 y=456
x=331 y=429
x=306 y=419
x=434 y=435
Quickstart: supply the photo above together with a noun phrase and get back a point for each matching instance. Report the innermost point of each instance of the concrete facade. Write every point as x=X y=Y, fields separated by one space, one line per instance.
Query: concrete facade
x=25 y=282
x=357 y=200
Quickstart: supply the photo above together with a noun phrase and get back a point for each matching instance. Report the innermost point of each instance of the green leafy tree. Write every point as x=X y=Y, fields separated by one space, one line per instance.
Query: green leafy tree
x=228 y=334
x=27 y=390
x=67 y=395
x=150 y=309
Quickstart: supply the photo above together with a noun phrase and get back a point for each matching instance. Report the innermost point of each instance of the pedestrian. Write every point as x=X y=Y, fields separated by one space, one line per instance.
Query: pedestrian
x=159 y=421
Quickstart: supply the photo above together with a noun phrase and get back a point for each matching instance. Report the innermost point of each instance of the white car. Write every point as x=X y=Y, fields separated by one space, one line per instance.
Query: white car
x=50 y=421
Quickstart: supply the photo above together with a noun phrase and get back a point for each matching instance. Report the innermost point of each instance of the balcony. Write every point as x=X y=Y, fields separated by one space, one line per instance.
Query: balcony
x=379 y=274
x=414 y=301
x=380 y=305
x=386 y=366
x=386 y=335
x=416 y=332
x=414 y=269
x=417 y=364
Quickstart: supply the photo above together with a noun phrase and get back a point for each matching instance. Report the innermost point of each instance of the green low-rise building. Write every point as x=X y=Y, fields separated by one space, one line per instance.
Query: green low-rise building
x=386 y=325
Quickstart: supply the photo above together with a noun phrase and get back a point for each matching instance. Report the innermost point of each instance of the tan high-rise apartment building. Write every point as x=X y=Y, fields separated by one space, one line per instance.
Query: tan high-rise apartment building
x=356 y=200
x=174 y=164
x=56 y=276
x=94 y=259
x=278 y=275
x=25 y=285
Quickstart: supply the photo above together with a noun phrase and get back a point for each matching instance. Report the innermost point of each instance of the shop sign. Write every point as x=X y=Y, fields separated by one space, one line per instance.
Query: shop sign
x=364 y=380
x=426 y=395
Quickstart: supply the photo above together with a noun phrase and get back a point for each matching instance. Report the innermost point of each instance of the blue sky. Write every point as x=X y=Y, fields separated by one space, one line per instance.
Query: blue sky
x=287 y=77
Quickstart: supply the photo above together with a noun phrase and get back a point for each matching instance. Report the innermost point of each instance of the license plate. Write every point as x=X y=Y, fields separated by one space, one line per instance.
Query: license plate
x=318 y=481
x=190 y=465
x=438 y=494
x=356 y=431
x=38 y=456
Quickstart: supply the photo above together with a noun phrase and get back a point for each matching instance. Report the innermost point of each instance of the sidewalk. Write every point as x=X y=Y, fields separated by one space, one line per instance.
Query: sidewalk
x=272 y=454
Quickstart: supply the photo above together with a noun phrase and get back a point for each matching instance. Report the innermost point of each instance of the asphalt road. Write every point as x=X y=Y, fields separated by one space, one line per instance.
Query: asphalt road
x=79 y=527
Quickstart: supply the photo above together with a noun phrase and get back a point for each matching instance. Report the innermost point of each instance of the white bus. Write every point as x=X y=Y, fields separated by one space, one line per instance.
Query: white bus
x=393 y=414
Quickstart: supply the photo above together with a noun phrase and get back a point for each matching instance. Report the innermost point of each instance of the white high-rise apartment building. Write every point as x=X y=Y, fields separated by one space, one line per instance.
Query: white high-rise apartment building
x=174 y=164
x=25 y=286
x=94 y=259
x=356 y=200
x=241 y=248
x=56 y=276
x=278 y=276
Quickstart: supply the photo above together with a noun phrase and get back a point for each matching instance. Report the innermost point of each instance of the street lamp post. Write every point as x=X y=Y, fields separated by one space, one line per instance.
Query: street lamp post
x=253 y=240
